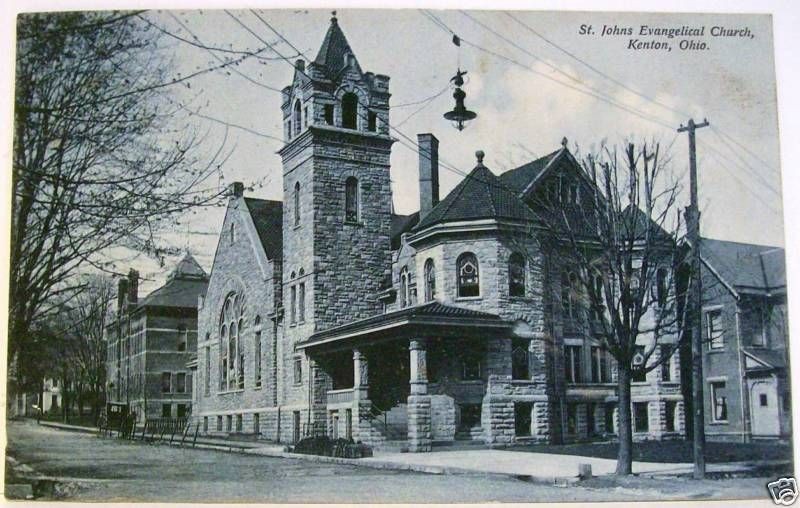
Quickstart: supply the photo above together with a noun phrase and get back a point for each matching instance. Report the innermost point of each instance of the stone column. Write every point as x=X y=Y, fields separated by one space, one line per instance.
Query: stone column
x=419 y=402
x=361 y=404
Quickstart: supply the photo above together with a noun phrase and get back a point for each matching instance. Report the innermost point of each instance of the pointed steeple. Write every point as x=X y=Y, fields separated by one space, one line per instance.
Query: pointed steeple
x=188 y=268
x=335 y=53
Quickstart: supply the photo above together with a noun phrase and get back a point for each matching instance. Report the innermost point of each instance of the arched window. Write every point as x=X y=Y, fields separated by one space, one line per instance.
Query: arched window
x=468 y=276
x=296 y=116
x=297 y=203
x=516 y=275
x=350 y=111
x=351 y=200
x=404 y=300
x=661 y=287
x=231 y=357
x=430 y=280
x=233 y=234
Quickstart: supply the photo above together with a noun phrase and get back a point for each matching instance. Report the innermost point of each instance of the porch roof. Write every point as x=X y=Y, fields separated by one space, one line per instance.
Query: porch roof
x=430 y=319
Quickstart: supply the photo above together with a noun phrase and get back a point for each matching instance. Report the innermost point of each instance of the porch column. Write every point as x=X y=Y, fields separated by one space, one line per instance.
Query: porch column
x=361 y=428
x=419 y=402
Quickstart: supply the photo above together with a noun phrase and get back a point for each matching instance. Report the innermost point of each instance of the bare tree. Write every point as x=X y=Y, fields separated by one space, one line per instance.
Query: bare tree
x=96 y=162
x=615 y=230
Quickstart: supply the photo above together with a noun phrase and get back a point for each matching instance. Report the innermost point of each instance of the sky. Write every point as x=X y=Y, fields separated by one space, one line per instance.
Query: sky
x=527 y=101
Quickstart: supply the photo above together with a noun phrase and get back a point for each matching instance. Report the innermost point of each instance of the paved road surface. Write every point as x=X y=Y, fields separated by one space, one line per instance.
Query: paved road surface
x=112 y=470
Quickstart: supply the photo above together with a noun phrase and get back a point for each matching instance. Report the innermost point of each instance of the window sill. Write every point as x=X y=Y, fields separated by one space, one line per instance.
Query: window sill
x=719 y=422
x=353 y=223
x=468 y=298
x=226 y=392
x=717 y=350
x=520 y=298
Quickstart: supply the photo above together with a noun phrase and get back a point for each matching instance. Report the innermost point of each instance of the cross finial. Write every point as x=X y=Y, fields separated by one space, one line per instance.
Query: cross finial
x=479 y=155
x=564 y=141
x=333 y=18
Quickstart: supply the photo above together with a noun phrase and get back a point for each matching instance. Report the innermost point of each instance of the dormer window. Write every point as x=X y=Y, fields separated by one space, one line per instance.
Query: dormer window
x=350 y=111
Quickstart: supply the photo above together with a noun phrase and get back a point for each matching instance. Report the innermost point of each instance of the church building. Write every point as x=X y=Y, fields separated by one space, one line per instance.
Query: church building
x=328 y=313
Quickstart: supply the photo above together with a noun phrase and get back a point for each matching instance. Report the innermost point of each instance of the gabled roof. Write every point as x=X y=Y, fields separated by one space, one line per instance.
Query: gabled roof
x=184 y=284
x=402 y=224
x=188 y=268
x=334 y=48
x=268 y=219
x=765 y=359
x=481 y=195
x=746 y=265
x=520 y=178
x=635 y=218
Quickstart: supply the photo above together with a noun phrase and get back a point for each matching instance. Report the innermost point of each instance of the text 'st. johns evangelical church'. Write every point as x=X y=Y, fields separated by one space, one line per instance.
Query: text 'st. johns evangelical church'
x=326 y=311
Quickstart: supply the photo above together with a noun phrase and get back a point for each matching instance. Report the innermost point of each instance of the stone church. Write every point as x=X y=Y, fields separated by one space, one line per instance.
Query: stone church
x=328 y=313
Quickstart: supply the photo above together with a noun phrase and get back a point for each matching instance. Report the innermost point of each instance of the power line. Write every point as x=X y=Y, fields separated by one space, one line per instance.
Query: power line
x=598 y=71
x=747 y=150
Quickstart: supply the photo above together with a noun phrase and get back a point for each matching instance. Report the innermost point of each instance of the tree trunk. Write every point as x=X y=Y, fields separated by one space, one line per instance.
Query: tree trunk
x=625 y=452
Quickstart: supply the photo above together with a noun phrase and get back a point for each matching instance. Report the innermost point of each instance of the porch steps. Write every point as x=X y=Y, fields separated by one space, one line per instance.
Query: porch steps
x=473 y=434
x=394 y=446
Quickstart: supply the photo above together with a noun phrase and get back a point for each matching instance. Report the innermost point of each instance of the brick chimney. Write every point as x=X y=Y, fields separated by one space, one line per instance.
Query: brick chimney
x=428 y=172
x=133 y=286
x=122 y=292
x=237 y=189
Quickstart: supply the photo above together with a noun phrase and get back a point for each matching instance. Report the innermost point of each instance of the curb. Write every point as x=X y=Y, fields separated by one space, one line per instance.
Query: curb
x=70 y=428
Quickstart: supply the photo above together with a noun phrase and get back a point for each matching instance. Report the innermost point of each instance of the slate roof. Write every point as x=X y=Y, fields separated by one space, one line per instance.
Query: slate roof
x=428 y=310
x=402 y=224
x=481 y=195
x=268 y=218
x=334 y=47
x=519 y=178
x=746 y=265
x=184 y=284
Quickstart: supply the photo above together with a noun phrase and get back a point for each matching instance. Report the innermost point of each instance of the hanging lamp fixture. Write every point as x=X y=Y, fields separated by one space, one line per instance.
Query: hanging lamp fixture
x=460 y=115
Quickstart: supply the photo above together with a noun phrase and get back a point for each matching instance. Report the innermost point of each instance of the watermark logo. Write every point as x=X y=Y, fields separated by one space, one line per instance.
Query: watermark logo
x=783 y=491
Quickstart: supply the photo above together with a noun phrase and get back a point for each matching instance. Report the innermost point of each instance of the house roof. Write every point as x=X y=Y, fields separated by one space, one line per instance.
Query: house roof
x=481 y=195
x=188 y=268
x=334 y=47
x=746 y=265
x=180 y=291
x=519 y=178
x=268 y=218
x=402 y=224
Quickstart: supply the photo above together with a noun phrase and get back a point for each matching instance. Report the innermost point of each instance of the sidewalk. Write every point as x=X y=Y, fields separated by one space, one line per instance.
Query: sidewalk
x=542 y=467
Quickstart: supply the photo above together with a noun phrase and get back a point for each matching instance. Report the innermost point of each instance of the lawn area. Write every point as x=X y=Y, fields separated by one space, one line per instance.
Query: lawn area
x=672 y=451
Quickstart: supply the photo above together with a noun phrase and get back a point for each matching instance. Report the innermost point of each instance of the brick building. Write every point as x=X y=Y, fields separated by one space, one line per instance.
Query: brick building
x=149 y=343
x=746 y=349
x=326 y=311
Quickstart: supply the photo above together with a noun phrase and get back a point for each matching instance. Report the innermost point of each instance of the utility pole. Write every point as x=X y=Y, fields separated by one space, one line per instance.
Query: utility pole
x=695 y=303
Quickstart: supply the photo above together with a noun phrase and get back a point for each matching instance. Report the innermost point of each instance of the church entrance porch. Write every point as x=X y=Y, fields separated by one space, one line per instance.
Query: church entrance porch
x=418 y=375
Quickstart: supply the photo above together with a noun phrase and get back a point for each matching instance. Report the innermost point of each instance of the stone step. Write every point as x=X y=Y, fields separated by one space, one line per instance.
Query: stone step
x=393 y=446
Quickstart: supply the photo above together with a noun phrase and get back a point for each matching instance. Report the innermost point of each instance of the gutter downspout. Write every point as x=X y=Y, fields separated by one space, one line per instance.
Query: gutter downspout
x=742 y=375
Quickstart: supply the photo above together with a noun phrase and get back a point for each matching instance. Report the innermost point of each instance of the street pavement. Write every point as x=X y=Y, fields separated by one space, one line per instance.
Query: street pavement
x=107 y=469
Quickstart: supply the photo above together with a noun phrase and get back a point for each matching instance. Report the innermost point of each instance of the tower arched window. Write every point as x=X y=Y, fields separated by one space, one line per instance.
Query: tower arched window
x=350 y=111
x=404 y=299
x=231 y=355
x=233 y=233
x=468 y=275
x=297 y=203
x=516 y=275
x=296 y=117
x=430 y=280
x=351 y=200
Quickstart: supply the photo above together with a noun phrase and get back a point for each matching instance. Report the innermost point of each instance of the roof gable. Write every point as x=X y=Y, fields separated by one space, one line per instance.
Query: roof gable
x=746 y=265
x=188 y=268
x=518 y=179
x=481 y=195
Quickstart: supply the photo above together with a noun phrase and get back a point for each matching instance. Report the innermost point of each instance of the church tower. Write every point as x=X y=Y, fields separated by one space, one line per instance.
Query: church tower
x=336 y=187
